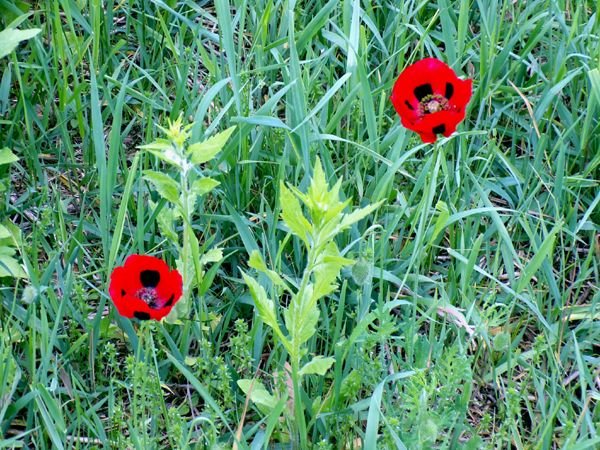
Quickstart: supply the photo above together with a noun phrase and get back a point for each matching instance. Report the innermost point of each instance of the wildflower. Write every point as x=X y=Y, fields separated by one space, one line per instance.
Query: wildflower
x=430 y=99
x=145 y=288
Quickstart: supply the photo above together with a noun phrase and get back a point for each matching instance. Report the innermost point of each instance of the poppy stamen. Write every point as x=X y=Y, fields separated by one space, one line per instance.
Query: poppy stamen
x=149 y=297
x=433 y=103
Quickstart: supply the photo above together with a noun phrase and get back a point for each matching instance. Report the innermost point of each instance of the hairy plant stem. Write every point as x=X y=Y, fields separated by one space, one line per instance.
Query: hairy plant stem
x=296 y=356
x=186 y=257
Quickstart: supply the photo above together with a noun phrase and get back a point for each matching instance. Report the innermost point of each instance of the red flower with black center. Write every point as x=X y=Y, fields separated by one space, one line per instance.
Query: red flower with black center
x=145 y=288
x=430 y=98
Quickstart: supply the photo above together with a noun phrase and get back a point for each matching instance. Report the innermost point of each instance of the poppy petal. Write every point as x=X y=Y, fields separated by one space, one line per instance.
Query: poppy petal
x=432 y=123
x=462 y=94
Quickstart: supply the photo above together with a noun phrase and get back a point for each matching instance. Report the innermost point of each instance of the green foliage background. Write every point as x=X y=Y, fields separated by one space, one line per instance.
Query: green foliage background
x=470 y=319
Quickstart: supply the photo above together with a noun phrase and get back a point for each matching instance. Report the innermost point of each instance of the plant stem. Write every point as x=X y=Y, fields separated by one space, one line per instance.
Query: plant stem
x=187 y=230
x=298 y=409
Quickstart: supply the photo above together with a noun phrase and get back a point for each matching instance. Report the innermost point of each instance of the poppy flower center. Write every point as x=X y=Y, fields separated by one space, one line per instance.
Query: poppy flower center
x=433 y=103
x=150 y=297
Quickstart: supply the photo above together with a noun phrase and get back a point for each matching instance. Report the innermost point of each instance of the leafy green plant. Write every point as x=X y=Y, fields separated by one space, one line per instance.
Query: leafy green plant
x=183 y=192
x=9 y=233
x=317 y=231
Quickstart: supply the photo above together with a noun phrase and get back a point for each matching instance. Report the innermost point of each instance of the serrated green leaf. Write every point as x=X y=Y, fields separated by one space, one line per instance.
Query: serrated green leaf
x=265 y=307
x=165 y=219
x=301 y=318
x=203 y=186
x=359 y=214
x=160 y=144
x=257 y=262
x=10 y=38
x=292 y=215
x=212 y=256
x=202 y=152
x=257 y=393
x=318 y=366
x=318 y=185
x=7 y=156
x=308 y=325
x=328 y=267
x=164 y=185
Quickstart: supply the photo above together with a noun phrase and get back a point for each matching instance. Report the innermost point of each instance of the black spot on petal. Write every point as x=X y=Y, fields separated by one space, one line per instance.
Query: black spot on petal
x=122 y=292
x=449 y=91
x=141 y=315
x=423 y=91
x=407 y=103
x=439 y=129
x=170 y=301
x=149 y=278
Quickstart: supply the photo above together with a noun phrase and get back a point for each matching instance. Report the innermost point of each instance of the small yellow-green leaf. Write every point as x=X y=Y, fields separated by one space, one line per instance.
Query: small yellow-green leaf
x=441 y=221
x=292 y=215
x=265 y=307
x=159 y=144
x=318 y=365
x=212 y=256
x=359 y=214
x=165 y=185
x=202 y=152
x=256 y=262
x=190 y=360
x=163 y=149
x=327 y=269
x=203 y=186
x=318 y=185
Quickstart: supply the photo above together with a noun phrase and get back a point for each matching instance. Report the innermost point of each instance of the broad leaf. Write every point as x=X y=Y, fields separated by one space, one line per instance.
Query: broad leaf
x=168 y=154
x=7 y=156
x=159 y=144
x=4 y=232
x=257 y=393
x=10 y=38
x=328 y=267
x=165 y=185
x=318 y=365
x=301 y=317
x=10 y=267
x=205 y=151
x=203 y=186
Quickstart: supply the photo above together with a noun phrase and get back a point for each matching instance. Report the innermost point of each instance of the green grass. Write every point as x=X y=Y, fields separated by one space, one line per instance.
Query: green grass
x=471 y=319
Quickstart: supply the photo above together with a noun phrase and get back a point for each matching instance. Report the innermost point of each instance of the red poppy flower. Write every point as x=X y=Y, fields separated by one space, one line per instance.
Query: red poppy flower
x=430 y=98
x=145 y=288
